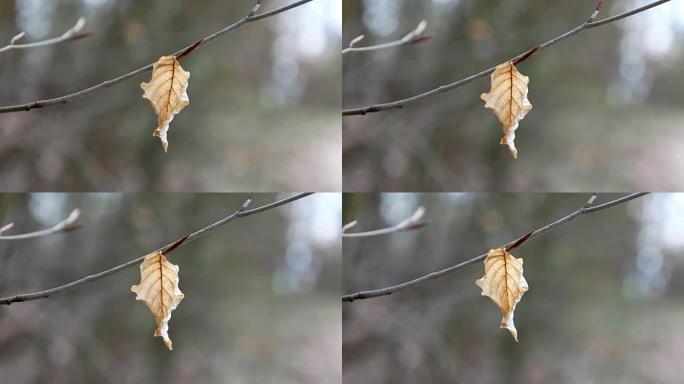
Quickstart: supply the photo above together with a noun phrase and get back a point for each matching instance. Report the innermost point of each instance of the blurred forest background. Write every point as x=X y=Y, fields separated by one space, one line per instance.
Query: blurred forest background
x=607 y=103
x=264 y=99
x=261 y=293
x=604 y=305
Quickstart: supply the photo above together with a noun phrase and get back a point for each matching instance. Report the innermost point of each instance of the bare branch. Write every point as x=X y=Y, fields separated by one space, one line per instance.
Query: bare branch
x=239 y=213
x=185 y=51
x=415 y=36
x=411 y=223
x=585 y=209
x=73 y=33
x=589 y=23
x=65 y=225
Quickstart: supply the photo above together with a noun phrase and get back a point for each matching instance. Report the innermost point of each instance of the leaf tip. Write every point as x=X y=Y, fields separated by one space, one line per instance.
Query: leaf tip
x=509 y=141
x=507 y=323
x=161 y=134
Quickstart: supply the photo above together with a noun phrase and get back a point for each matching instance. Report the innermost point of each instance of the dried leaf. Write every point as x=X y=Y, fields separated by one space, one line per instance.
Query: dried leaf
x=508 y=100
x=158 y=289
x=167 y=92
x=504 y=283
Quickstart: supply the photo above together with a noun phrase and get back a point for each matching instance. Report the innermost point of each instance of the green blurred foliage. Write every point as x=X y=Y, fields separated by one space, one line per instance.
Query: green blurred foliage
x=604 y=304
x=607 y=102
x=264 y=99
x=261 y=293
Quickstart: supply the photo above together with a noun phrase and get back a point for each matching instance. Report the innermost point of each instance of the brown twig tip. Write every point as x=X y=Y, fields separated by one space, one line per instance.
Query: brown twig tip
x=420 y=39
x=247 y=202
x=71 y=228
x=174 y=245
x=80 y=35
x=596 y=11
x=189 y=49
x=518 y=242
x=417 y=225
x=526 y=55
x=254 y=10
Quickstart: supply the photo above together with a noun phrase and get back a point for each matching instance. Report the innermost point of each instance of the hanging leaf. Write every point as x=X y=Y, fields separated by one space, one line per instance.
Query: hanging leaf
x=167 y=92
x=504 y=283
x=158 y=289
x=508 y=100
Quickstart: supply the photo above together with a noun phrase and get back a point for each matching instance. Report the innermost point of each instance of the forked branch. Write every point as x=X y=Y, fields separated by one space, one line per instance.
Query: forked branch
x=588 y=24
x=411 y=223
x=250 y=17
x=73 y=33
x=239 y=213
x=584 y=210
x=415 y=36
x=66 y=225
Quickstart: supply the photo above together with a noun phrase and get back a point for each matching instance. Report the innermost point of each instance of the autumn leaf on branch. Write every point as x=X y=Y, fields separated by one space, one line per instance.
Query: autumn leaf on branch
x=508 y=100
x=504 y=283
x=158 y=289
x=167 y=92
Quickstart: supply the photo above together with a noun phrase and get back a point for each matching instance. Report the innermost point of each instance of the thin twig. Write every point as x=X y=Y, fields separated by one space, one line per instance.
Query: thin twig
x=73 y=33
x=589 y=23
x=106 y=84
x=411 y=223
x=585 y=209
x=66 y=225
x=6 y=227
x=415 y=36
x=239 y=213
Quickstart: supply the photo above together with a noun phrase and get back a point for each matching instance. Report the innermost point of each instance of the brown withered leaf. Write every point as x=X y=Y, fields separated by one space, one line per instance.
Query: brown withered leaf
x=504 y=283
x=508 y=100
x=167 y=92
x=158 y=289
